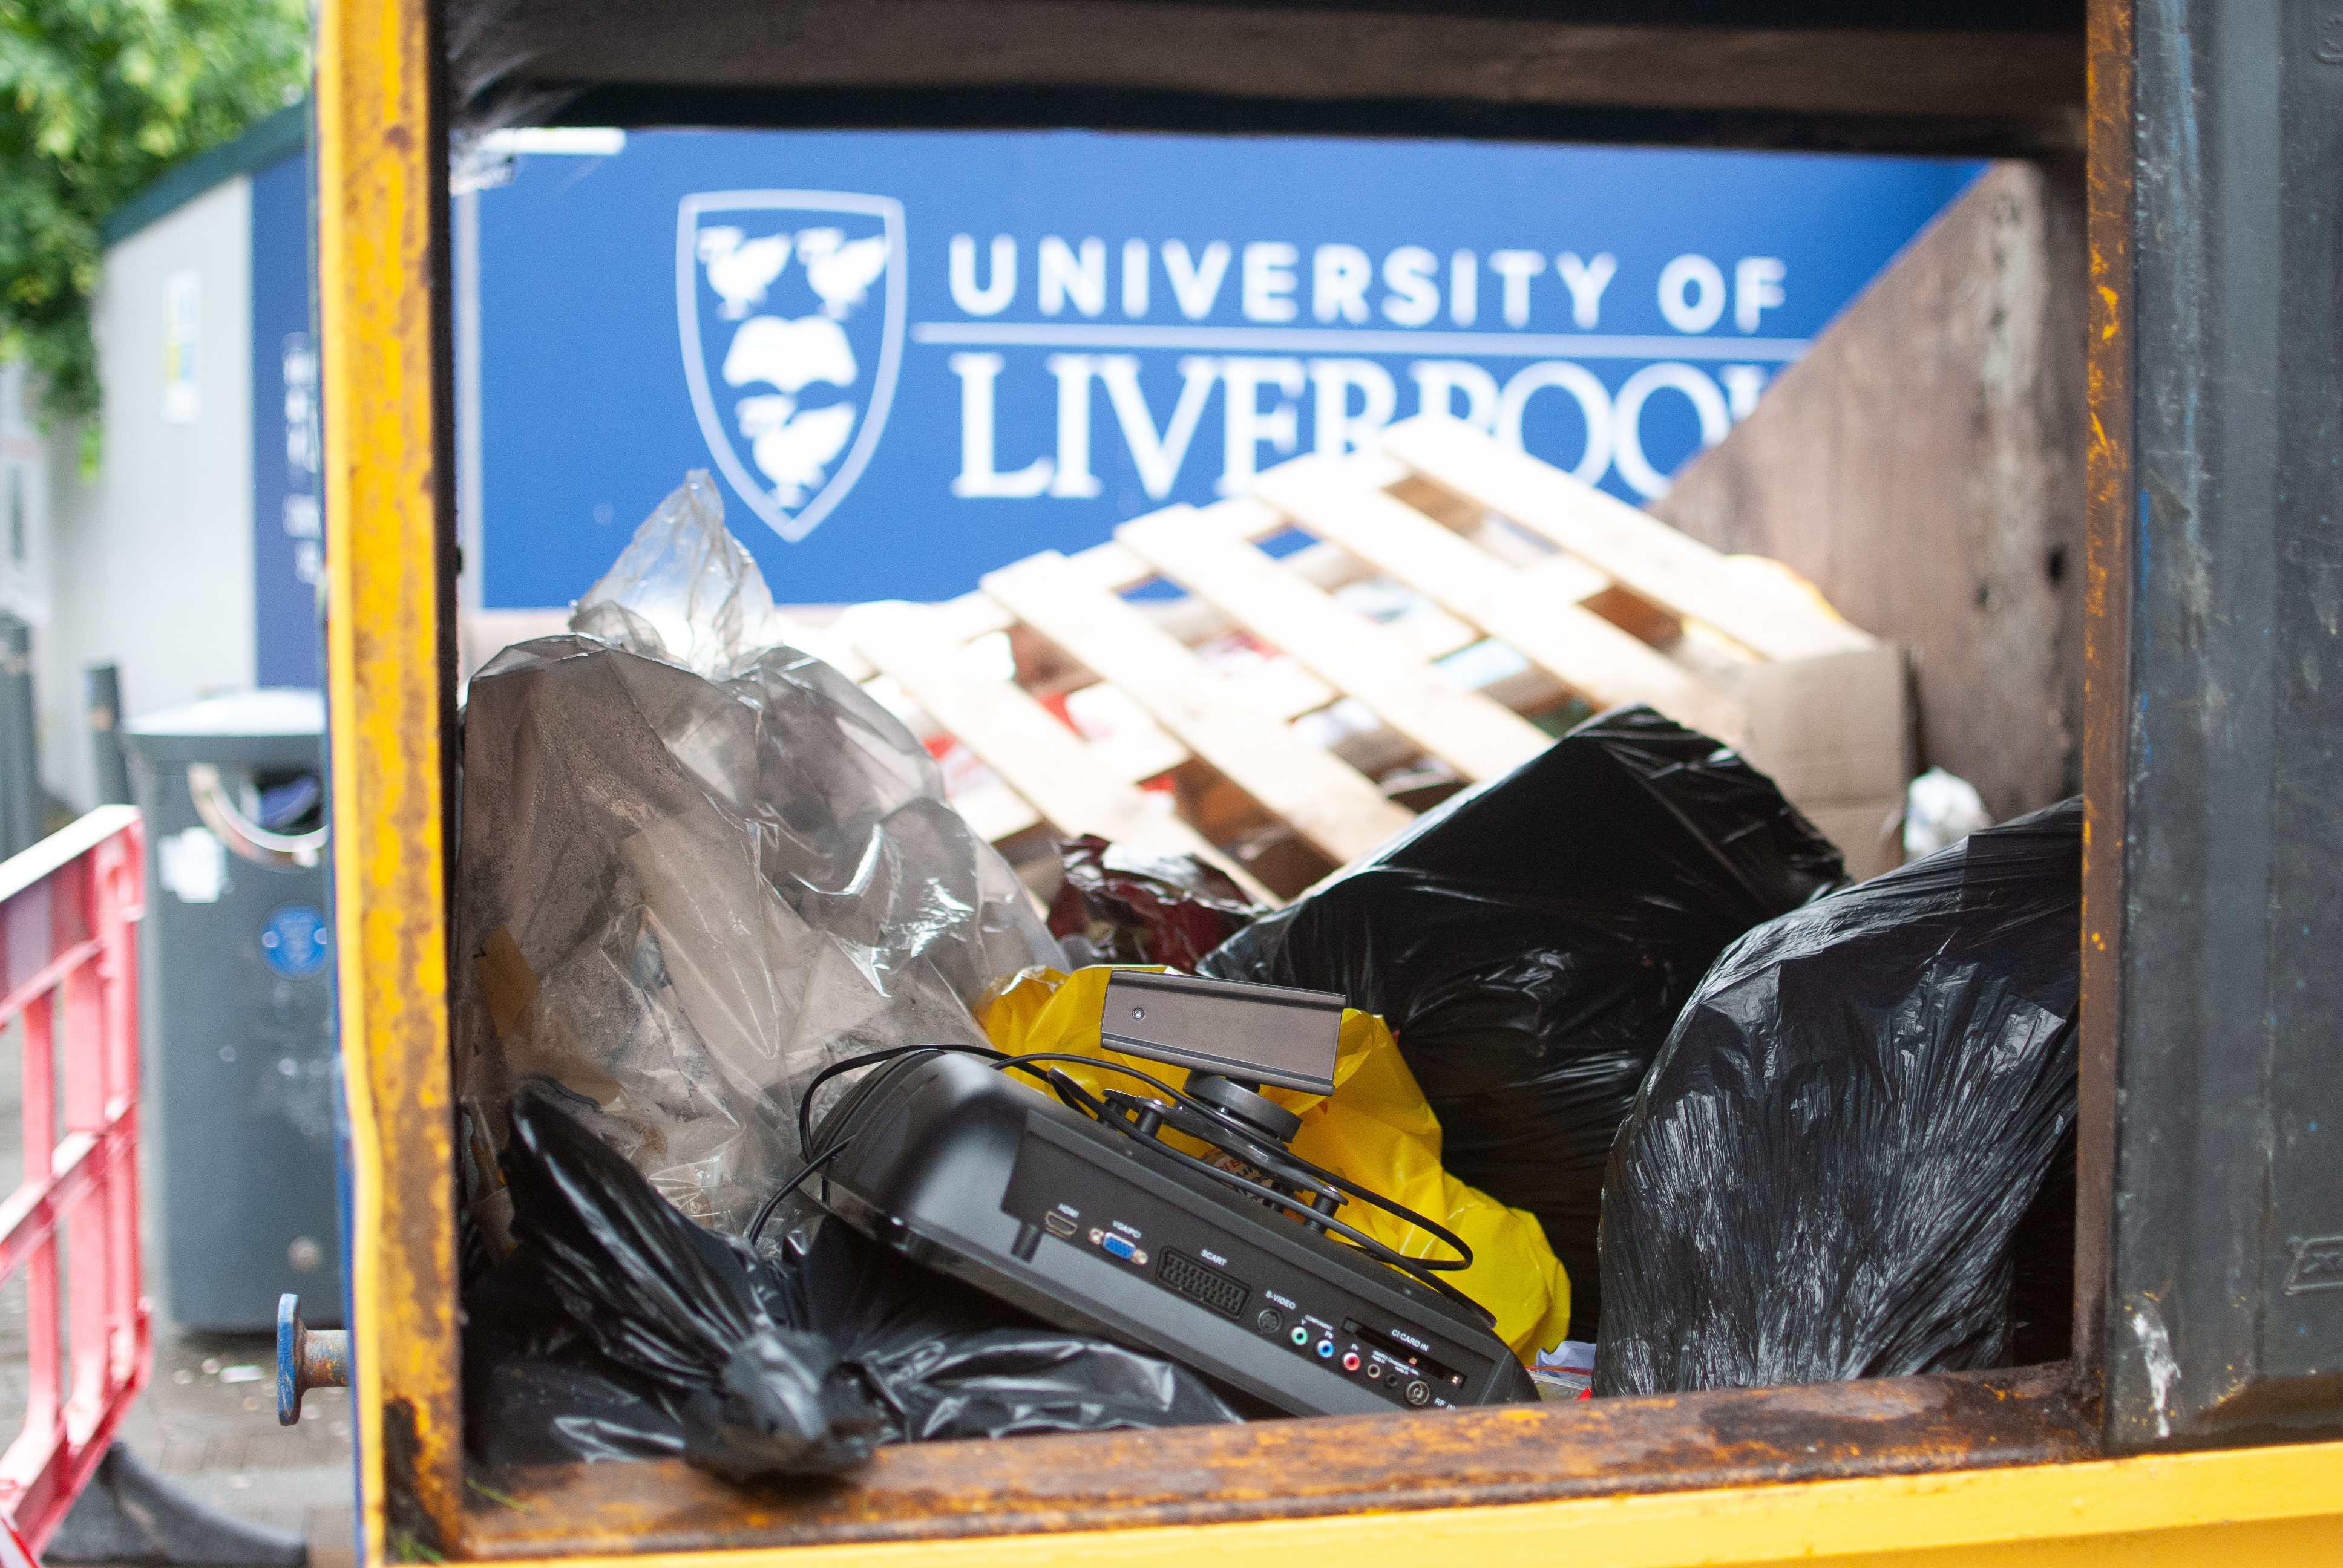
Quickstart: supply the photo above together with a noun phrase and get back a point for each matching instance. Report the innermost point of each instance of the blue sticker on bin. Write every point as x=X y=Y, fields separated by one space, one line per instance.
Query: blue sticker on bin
x=293 y=941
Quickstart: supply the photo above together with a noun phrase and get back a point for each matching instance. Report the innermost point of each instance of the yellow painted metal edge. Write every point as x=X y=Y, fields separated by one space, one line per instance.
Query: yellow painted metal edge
x=2262 y=1506
x=374 y=227
x=365 y=1159
x=2256 y=1507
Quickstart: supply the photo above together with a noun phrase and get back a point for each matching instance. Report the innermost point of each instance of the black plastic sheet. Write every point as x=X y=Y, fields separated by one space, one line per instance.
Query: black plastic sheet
x=1846 y=1161
x=620 y=1329
x=945 y=1360
x=678 y=1305
x=537 y=1391
x=1531 y=942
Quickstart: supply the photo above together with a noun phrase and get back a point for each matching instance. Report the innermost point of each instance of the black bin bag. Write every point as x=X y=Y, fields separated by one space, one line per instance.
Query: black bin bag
x=1531 y=940
x=678 y=1312
x=1856 y=1152
x=619 y=1329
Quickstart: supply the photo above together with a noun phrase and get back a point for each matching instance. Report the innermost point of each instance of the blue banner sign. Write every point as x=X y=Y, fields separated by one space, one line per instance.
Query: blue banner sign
x=288 y=535
x=913 y=357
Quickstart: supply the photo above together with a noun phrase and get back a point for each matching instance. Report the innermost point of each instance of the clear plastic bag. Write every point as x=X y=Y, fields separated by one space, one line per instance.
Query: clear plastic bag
x=698 y=867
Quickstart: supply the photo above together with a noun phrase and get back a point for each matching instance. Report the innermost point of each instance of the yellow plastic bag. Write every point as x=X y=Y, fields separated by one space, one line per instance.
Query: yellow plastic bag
x=1374 y=1129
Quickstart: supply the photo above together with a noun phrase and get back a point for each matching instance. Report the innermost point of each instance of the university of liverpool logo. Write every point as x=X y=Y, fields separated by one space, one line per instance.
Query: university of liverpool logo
x=792 y=307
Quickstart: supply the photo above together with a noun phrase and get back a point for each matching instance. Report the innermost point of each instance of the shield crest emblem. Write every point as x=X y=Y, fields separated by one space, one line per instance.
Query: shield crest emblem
x=792 y=307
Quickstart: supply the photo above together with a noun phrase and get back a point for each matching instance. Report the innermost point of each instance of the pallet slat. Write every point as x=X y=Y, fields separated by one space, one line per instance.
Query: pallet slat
x=1756 y=609
x=1477 y=737
x=1138 y=754
x=1018 y=739
x=1333 y=499
x=1431 y=632
x=996 y=812
x=1595 y=599
x=1333 y=808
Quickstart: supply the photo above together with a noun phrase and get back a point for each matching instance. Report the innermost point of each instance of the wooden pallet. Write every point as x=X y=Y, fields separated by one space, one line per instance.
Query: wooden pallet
x=1598 y=602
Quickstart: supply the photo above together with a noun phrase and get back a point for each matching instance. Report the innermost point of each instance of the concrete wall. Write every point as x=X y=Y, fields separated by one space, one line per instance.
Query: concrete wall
x=1924 y=467
x=151 y=566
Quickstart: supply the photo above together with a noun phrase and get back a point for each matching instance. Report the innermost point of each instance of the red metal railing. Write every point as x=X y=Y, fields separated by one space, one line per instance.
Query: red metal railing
x=69 y=983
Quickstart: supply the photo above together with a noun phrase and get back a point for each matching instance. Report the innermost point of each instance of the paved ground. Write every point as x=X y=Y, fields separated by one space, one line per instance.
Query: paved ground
x=216 y=1440
x=208 y=1422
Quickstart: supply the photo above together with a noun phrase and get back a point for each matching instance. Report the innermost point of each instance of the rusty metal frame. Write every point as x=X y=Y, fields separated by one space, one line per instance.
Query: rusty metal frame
x=382 y=253
x=1287 y=1470
x=2215 y=491
x=2106 y=580
x=2006 y=1464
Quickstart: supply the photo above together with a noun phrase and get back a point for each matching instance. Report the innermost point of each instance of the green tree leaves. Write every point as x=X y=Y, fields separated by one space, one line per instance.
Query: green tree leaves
x=98 y=98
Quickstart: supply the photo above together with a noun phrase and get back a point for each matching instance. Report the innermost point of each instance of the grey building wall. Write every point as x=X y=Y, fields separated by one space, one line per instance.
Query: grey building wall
x=150 y=567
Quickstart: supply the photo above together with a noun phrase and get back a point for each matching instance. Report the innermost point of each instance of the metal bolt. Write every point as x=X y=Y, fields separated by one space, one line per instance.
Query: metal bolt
x=306 y=1357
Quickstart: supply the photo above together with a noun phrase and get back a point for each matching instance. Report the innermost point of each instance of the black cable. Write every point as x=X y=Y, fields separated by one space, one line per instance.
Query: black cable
x=1420 y=1269
x=805 y=1100
x=805 y=1121
x=1424 y=1269
x=1375 y=1199
x=757 y=1225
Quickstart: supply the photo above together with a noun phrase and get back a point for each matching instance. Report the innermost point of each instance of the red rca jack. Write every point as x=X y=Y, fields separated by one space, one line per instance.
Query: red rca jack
x=1351 y=1361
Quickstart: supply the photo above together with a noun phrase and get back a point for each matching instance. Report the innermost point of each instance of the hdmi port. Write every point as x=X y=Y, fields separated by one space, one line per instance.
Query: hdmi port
x=1057 y=1224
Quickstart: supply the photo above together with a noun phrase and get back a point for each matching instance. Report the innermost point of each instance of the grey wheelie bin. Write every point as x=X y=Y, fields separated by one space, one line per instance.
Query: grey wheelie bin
x=241 y=1080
